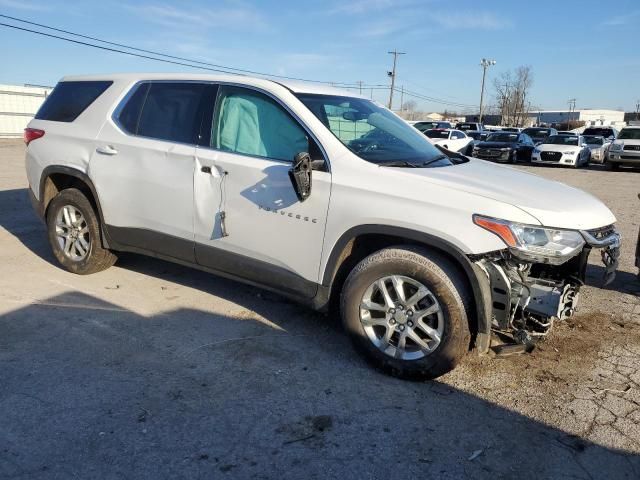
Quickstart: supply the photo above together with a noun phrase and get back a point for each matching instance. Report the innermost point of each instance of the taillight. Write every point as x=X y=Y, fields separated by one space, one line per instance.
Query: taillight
x=31 y=134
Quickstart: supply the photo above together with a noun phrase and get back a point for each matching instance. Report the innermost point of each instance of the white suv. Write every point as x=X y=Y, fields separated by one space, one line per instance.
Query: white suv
x=319 y=195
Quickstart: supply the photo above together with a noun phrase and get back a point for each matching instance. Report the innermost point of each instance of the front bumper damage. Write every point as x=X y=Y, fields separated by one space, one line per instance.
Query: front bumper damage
x=527 y=297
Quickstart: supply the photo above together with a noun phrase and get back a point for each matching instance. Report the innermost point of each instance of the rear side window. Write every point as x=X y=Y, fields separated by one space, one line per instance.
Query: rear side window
x=69 y=99
x=130 y=114
x=171 y=111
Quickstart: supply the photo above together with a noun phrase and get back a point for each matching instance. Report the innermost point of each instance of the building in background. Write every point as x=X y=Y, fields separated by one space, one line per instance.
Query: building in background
x=18 y=105
x=590 y=117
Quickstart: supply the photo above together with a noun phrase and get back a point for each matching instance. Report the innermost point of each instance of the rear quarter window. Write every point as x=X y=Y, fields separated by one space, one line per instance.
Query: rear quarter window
x=69 y=99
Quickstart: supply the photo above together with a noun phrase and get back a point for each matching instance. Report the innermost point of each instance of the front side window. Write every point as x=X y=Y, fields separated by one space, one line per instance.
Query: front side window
x=250 y=123
x=372 y=132
x=69 y=99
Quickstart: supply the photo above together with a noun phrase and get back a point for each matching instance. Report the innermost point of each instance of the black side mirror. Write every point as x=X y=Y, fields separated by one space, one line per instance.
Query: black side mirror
x=300 y=175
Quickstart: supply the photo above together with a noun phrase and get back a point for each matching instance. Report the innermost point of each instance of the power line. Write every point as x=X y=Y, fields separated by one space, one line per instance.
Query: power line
x=176 y=60
x=197 y=64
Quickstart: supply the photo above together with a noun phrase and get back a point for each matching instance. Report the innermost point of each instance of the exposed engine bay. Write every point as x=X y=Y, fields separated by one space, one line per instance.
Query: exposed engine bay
x=527 y=297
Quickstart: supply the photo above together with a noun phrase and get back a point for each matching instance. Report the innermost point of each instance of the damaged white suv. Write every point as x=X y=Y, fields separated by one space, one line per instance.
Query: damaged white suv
x=319 y=195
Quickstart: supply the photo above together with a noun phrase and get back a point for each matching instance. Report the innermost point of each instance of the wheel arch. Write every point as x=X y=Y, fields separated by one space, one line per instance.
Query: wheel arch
x=363 y=240
x=56 y=178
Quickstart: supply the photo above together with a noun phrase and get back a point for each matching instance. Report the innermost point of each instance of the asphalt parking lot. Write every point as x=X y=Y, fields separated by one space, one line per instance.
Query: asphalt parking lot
x=153 y=370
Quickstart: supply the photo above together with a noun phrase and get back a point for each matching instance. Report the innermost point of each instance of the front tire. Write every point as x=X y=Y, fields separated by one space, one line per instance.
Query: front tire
x=406 y=310
x=74 y=234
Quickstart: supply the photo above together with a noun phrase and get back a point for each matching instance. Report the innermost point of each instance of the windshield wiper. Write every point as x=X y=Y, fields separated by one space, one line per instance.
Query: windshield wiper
x=434 y=160
x=398 y=163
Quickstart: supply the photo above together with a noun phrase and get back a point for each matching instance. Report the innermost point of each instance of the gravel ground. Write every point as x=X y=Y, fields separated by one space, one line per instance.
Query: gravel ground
x=153 y=370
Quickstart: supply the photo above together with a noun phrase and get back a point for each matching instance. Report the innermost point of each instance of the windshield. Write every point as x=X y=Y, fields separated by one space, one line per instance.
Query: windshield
x=374 y=133
x=437 y=134
x=503 y=137
x=562 y=140
x=537 y=132
x=424 y=126
x=629 y=134
x=602 y=132
x=594 y=140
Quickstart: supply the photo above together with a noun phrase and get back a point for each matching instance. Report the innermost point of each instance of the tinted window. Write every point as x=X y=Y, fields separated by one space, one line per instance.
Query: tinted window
x=601 y=132
x=437 y=134
x=69 y=99
x=250 y=123
x=172 y=111
x=538 y=132
x=467 y=126
x=562 y=140
x=629 y=134
x=457 y=135
x=130 y=114
x=504 y=137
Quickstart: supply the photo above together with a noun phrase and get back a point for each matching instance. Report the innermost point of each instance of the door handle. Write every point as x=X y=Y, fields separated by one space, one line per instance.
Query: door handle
x=205 y=169
x=107 y=150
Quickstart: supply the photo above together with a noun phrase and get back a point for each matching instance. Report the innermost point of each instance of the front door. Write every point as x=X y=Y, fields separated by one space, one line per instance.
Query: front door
x=249 y=222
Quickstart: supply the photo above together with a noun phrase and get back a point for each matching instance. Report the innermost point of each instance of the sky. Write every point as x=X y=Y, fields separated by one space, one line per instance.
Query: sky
x=587 y=50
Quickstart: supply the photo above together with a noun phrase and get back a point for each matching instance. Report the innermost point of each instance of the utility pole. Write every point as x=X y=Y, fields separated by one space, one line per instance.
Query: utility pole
x=484 y=63
x=359 y=82
x=572 y=108
x=402 y=98
x=637 y=109
x=392 y=74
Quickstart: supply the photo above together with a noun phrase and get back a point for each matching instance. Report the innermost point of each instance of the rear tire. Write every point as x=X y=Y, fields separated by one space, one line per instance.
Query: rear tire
x=74 y=234
x=434 y=343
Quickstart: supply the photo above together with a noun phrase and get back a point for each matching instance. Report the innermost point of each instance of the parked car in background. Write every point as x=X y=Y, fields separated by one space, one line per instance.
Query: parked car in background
x=598 y=147
x=423 y=126
x=511 y=129
x=540 y=134
x=506 y=147
x=625 y=150
x=609 y=133
x=566 y=132
x=466 y=126
x=569 y=150
x=454 y=140
x=477 y=136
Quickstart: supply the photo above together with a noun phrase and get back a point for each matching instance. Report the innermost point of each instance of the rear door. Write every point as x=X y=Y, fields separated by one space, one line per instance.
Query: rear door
x=249 y=222
x=143 y=167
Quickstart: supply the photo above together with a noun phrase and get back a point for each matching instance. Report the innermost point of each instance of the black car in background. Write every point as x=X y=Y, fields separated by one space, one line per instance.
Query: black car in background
x=540 y=134
x=505 y=147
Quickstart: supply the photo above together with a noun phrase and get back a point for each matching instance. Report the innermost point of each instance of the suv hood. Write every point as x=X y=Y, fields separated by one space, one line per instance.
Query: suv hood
x=554 y=204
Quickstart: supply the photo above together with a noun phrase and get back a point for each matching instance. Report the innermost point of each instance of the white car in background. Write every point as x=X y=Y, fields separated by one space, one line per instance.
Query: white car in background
x=571 y=150
x=453 y=140
x=625 y=150
x=598 y=146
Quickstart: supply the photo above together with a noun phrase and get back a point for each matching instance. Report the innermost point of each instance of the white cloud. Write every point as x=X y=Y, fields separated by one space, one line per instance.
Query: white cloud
x=233 y=17
x=621 y=19
x=361 y=6
x=469 y=20
x=19 y=5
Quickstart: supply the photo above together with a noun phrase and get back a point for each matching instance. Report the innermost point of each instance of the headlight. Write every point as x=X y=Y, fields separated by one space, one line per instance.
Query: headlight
x=537 y=244
x=616 y=147
x=505 y=149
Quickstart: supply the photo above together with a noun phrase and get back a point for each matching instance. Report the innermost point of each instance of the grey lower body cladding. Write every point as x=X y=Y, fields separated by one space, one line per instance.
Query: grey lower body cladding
x=527 y=298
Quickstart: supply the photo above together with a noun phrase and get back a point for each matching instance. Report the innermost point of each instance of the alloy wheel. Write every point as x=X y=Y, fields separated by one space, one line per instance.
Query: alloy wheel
x=72 y=233
x=402 y=317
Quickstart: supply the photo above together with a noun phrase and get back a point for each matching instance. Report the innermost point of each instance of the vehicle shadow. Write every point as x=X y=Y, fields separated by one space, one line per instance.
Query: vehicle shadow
x=189 y=393
x=625 y=282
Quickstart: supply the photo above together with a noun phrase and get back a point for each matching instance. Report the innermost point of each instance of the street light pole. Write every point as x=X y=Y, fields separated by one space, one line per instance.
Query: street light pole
x=484 y=63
